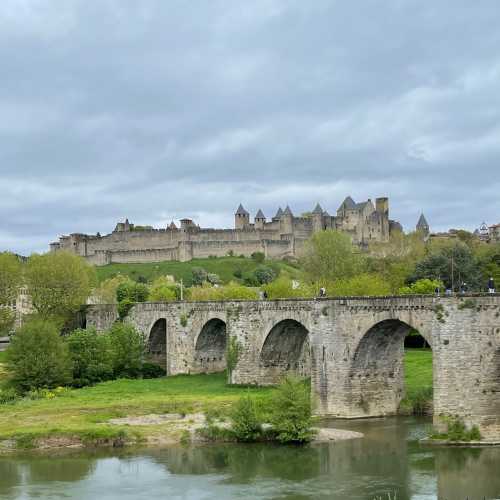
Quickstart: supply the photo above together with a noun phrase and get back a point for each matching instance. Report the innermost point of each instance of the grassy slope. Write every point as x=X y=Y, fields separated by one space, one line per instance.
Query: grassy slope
x=83 y=412
x=224 y=267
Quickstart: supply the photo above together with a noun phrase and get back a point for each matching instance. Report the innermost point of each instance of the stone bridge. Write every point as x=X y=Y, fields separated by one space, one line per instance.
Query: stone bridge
x=352 y=348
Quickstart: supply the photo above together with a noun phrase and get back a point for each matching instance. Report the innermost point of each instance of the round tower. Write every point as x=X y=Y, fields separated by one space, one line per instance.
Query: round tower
x=241 y=218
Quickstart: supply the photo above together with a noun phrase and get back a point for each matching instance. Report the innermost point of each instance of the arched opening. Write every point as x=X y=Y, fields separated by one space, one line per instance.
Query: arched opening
x=379 y=384
x=285 y=350
x=157 y=344
x=210 y=349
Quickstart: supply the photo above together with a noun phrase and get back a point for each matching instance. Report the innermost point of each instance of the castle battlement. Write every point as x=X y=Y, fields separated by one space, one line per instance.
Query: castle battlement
x=282 y=235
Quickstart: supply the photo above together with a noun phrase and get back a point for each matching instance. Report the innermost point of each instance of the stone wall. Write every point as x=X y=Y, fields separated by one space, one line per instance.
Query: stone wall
x=352 y=348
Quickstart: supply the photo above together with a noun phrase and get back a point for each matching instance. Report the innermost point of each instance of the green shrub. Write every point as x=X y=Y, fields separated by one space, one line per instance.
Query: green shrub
x=422 y=287
x=91 y=355
x=124 y=307
x=291 y=411
x=127 y=347
x=8 y=395
x=245 y=423
x=150 y=370
x=163 y=290
x=199 y=276
x=258 y=257
x=282 y=288
x=39 y=357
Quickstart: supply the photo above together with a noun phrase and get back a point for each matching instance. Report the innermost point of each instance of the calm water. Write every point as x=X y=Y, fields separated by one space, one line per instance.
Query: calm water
x=388 y=460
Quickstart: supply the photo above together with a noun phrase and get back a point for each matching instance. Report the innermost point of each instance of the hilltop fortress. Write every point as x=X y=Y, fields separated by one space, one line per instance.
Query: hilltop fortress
x=282 y=236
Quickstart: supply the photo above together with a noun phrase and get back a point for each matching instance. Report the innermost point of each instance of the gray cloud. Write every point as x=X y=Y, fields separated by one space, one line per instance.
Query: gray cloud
x=157 y=110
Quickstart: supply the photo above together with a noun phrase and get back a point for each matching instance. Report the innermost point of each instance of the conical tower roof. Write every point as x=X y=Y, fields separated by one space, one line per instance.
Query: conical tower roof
x=241 y=210
x=279 y=213
x=317 y=209
x=348 y=203
x=288 y=211
x=172 y=225
x=422 y=222
x=260 y=215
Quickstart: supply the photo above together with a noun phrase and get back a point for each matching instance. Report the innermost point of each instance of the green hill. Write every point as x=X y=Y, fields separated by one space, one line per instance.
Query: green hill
x=224 y=267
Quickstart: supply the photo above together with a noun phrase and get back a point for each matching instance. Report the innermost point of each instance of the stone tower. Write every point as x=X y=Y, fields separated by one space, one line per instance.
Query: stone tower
x=423 y=226
x=317 y=218
x=241 y=218
x=260 y=220
x=286 y=221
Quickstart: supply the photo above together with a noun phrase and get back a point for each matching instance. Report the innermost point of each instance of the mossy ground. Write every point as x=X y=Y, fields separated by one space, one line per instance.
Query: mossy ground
x=84 y=413
x=224 y=267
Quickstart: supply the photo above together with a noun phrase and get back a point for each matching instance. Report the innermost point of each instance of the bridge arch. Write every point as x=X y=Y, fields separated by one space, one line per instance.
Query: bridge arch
x=285 y=350
x=210 y=347
x=376 y=374
x=157 y=343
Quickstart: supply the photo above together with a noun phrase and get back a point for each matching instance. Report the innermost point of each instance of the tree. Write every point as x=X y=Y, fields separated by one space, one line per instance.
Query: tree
x=127 y=346
x=283 y=288
x=330 y=255
x=452 y=265
x=264 y=274
x=245 y=422
x=91 y=355
x=162 y=290
x=199 y=276
x=105 y=293
x=422 y=287
x=258 y=257
x=291 y=411
x=59 y=283
x=38 y=357
x=10 y=282
x=128 y=294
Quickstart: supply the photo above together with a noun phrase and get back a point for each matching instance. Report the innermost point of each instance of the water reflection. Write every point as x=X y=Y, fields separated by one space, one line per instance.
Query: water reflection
x=388 y=459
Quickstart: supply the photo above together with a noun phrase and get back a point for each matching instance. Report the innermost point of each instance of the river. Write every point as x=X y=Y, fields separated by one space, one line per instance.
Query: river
x=388 y=461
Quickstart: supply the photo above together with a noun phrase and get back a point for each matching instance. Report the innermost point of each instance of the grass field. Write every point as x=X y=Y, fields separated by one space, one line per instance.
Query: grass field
x=224 y=267
x=84 y=412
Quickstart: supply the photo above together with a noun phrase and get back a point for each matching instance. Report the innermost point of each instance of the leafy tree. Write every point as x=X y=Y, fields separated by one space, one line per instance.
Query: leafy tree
x=452 y=265
x=213 y=279
x=245 y=422
x=264 y=274
x=258 y=257
x=38 y=356
x=291 y=411
x=162 y=290
x=488 y=257
x=91 y=355
x=422 y=287
x=199 y=276
x=105 y=293
x=362 y=284
x=128 y=294
x=58 y=283
x=329 y=255
x=127 y=346
x=10 y=281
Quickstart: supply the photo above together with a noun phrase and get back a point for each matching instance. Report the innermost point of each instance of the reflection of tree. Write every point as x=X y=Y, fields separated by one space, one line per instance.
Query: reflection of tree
x=10 y=476
x=65 y=468
x=468 y=472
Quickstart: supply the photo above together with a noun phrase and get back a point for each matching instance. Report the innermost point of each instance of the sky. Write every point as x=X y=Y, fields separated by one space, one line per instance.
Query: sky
x=159 y=110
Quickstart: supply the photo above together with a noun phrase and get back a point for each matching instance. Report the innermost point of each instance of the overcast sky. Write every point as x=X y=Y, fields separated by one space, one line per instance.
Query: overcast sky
x=158 y=110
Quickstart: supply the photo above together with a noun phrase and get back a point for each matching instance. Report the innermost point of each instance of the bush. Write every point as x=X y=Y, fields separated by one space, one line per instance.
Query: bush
x=124 y=307
x=264 y=274
x=360 y=285
x=91 y=355
x=8 y=395
x=162 y=290
x=422 y=287
x=38 y=356
x=213 y=278
x=127 y=347
x=291 y=411
x=258 y=257
x=150 y=370
x=282 y=289
x=135 y=292
x=246 y=426
x=199 y=276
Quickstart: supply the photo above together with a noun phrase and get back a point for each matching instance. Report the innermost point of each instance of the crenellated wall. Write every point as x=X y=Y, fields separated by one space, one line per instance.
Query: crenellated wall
x=352 y=348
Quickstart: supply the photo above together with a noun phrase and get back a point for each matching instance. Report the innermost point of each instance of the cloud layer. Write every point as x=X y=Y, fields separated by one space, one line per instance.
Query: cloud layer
x=157 y=110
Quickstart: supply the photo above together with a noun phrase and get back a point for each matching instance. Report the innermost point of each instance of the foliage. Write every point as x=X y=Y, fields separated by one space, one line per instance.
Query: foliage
x=422 y=287
x=162 y=290
x=258 y=257
x=291 y=411
x=8 y=395
x=10 y=281
x=105 y=293
x=150 y=370
x=127 y=347
x=38 y=356
x=213 y=278
x=199 y=276
x=58 y=283
x=91 y=355
x=231 y=291
x=488 y=258
x=264 y=275
x=282 y=288
x=245 y=422
x=361 y=284
x=457 y=431
x=233 y=350
x=129 y=293
x=330 y=255
x=452 y=264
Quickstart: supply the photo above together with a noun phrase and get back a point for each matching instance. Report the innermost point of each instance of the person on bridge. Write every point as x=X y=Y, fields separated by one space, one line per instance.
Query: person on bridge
x=322 y=292
x=491 y=285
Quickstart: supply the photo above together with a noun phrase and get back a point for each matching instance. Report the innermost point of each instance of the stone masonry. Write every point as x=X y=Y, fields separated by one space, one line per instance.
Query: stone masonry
x=352 y=348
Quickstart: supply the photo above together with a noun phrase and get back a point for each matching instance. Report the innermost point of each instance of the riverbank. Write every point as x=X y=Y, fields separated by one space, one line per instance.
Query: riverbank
x=87 y=417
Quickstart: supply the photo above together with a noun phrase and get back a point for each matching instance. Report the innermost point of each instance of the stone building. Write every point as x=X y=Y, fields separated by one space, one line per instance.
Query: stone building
x=280 y=236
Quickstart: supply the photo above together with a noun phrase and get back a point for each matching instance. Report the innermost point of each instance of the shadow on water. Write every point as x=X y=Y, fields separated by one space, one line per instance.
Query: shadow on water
x=388 y=460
